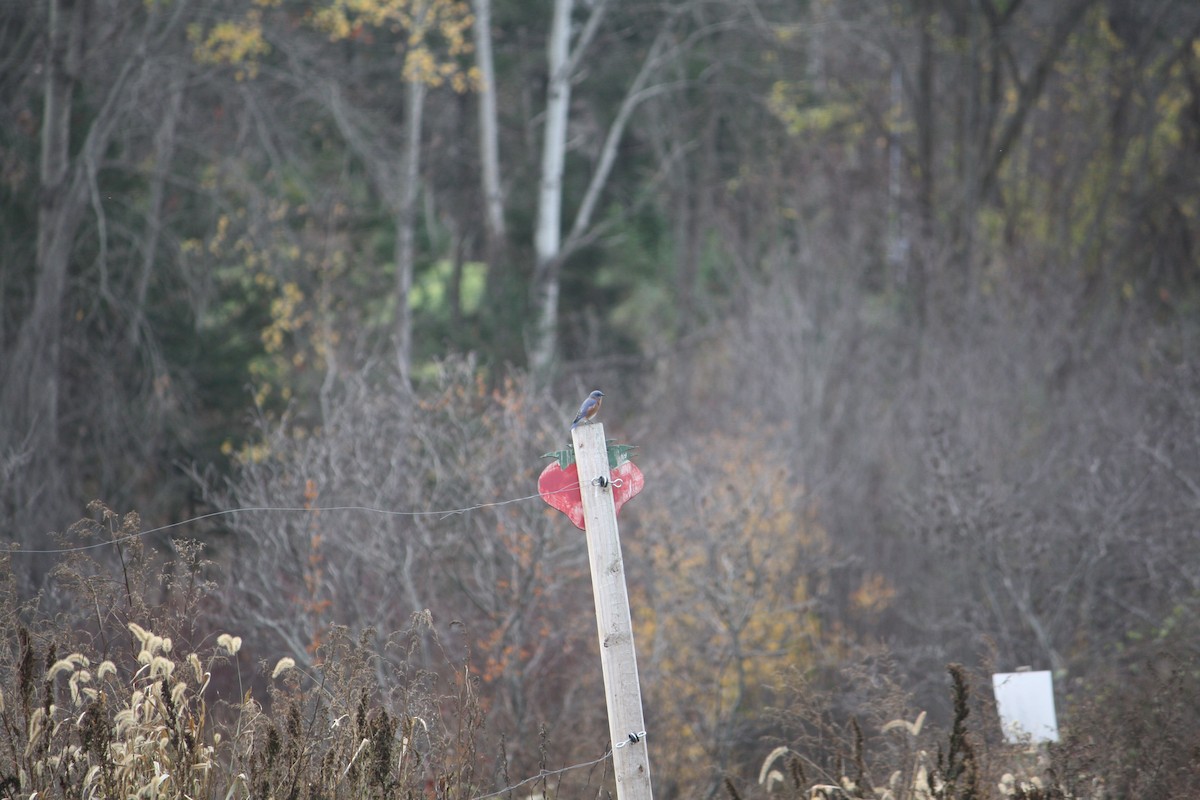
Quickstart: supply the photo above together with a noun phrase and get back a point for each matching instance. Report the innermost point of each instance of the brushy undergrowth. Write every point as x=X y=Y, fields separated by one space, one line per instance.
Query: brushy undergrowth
x=115 y=683
x=119 y=694
x=1128 y=738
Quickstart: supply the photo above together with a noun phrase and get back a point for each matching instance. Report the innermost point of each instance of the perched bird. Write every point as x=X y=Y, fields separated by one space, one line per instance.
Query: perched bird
x=589 y=409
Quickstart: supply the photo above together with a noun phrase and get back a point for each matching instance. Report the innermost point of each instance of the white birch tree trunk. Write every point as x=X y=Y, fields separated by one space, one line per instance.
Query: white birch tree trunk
x=549 y=245
x=548 y=233
x=489 y=137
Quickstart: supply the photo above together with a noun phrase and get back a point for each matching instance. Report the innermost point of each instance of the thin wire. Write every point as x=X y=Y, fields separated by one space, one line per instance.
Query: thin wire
x=545 y=774
x=442 y=514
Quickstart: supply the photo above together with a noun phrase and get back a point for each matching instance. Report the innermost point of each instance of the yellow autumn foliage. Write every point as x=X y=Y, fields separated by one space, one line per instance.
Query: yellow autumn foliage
x=434 y=34
x=732 y=600
x=237 y=43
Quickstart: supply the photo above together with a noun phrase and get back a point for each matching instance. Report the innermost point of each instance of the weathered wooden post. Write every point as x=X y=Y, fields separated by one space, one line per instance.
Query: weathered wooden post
x=614 y=625
x=599 y=498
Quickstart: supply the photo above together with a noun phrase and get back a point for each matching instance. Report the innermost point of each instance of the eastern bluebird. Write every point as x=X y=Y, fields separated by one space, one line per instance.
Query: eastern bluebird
x=589 y=409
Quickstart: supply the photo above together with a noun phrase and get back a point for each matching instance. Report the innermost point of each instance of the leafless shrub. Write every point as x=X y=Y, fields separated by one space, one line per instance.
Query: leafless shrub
x=99 y=705
x=422 y=503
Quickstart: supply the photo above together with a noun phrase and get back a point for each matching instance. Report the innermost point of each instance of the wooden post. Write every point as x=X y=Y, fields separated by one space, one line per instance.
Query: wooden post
x=627 y=728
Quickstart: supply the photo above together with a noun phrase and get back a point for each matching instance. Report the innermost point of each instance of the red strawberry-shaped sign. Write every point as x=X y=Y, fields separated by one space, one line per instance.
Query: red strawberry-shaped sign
x=559 y=481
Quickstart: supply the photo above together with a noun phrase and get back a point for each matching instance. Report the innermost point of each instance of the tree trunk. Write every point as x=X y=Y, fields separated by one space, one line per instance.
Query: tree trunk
x=406 y=220
x=634 y=96
x=548 y=235
x=924 y=118
x=919 y=260
x=31 y=386
x=505 y=307
x=489 y=137
x=164 y=152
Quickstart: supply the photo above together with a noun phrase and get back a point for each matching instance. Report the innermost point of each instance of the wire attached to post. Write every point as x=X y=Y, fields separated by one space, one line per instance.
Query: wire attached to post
x=633 y=738
x=604 y=482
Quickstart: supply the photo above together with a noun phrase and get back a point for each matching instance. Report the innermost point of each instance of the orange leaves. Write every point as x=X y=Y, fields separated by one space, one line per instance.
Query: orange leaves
x=499 y=656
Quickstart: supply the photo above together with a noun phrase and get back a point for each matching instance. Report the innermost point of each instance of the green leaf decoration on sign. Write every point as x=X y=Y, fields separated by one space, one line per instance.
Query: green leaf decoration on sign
x=618 y=454
x=565 y=458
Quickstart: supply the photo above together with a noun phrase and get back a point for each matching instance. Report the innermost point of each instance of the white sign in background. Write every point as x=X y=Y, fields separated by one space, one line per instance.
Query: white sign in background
x=1025 y=701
